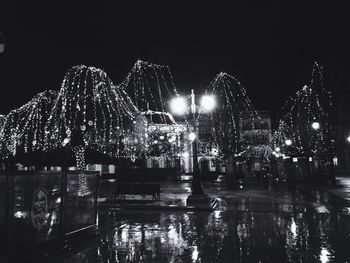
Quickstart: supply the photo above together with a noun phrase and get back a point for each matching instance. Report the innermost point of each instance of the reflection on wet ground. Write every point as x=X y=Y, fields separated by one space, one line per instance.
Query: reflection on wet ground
x=149 y=236
x=257 y=225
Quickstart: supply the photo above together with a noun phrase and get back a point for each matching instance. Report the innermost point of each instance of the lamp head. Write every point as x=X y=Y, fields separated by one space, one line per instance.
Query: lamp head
x=208 y=102
x=178 y=105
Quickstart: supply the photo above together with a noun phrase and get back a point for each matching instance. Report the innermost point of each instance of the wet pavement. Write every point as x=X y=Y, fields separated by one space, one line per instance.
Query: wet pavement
x=253 y=224
x=343 y=191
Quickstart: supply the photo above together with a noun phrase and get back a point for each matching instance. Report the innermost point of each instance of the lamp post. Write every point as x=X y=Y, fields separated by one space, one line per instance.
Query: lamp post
x=196 y=182
x=179 y=107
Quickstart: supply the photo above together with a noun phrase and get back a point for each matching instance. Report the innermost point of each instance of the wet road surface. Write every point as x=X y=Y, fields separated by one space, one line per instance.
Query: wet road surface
x=277 y=224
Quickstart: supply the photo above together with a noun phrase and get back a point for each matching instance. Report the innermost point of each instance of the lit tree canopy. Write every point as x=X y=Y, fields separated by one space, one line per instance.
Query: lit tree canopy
x=91 y=112
x=23 y=128
x=149 y=86
x=299 y=113
x=310 y=105
x=233 y=102
x=88 y=113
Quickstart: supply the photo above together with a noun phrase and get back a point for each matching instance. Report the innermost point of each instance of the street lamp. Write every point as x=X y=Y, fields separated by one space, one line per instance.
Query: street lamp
x=315 y=125
x=179 y=106
x=288 y=142
x=208 y=102
x=192 y=136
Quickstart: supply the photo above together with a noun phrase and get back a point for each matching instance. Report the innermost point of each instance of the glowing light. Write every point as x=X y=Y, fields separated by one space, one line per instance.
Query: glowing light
x=277 y=149
x=217 y=214
x=58 y=200
x=348 y=139
x=20 y=214
x=208 y=102
x=195 y=254
x=215 y=152
x=293 y=228
x=178 y=105
x=335 y=161
x=79 y=152
x=288 y=142
x=325 y=255
x=315 y=125
x=192 y=136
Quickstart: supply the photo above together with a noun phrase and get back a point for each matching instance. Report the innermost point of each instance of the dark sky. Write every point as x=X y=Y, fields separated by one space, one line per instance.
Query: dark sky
x=270 y=47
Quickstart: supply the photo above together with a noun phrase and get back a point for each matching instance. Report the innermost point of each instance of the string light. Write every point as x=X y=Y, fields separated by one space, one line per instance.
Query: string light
x=315 y=125
x=305 y=119
x=79 y=153
x=92 y=106
x=162 y=139
x=233 y=102
x=149 y=86
x=23 y=128
x=88 y=111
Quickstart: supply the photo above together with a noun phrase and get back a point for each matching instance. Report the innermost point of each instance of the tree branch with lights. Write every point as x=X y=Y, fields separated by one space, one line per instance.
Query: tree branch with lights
x=233 y=102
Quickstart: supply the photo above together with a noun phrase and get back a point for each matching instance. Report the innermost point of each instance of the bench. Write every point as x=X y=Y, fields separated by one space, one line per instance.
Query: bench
x=137 y=189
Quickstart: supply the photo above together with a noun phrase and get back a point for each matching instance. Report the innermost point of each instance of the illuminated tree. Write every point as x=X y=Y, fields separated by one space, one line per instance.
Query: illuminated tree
x=23 y=128
x=232 y=103
x=305 y=120
x=149 y=86
x=304 y=123
x=88 y=113
x=91 y=113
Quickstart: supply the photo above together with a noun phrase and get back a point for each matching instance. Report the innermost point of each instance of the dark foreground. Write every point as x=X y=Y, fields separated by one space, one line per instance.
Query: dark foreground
x=278 y=224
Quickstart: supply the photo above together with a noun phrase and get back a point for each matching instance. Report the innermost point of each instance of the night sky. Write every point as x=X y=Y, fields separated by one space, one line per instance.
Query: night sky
x=270 y=47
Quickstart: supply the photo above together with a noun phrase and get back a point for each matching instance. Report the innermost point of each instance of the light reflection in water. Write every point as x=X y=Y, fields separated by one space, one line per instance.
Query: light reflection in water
x=194 y=253
x=293 y=228
x=221 y=236
x=325 y=255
